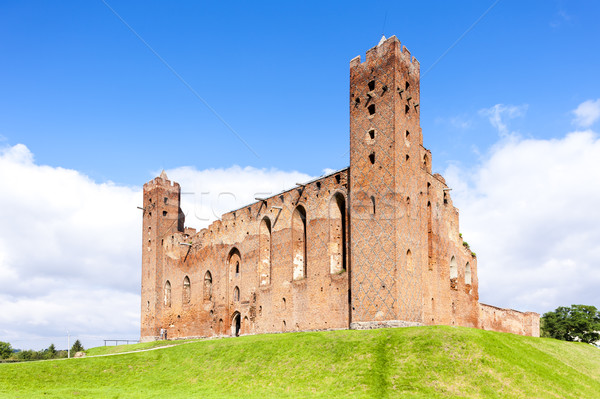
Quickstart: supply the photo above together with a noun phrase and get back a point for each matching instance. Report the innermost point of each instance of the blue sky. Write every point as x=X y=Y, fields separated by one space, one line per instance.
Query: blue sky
x=83 y=92
x=249 y=98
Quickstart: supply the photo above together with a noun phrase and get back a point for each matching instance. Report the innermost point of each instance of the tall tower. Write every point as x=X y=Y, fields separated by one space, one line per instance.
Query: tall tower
x=385 y=153
x=162 y=217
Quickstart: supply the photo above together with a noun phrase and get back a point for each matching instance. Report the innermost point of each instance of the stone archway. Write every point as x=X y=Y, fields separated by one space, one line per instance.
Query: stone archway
x=236 y=324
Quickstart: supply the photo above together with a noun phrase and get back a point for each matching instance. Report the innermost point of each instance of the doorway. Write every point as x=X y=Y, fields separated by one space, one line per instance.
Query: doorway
x=236 y=324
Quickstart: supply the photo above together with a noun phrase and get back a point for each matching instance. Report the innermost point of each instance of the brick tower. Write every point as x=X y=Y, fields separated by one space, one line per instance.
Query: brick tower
x=386 y=149
x=162 y=217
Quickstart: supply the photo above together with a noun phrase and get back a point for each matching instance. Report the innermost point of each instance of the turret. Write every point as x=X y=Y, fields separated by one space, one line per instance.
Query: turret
x=162 y=217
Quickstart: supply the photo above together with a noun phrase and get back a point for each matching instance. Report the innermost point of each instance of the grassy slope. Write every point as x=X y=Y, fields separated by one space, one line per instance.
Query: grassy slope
x=424 y=362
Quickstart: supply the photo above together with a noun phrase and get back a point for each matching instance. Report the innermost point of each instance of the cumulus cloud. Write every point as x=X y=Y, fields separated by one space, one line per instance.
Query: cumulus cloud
x=528 y=211
x=70 y=248
x=499 y=115
x=587 y=113
x=66 y=259
x=207 y=194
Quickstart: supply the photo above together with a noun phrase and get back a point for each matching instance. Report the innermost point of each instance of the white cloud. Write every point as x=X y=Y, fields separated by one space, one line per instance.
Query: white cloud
x=529 y=212
x=66 y=259
x=70 y=248
x=458 y=122
x=587 y=113
x=207 y=194
x=500 y=113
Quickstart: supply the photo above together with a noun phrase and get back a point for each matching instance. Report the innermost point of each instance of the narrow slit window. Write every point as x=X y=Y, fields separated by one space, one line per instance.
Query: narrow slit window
x=406 y=109
x=372 y=158
x=372 y=134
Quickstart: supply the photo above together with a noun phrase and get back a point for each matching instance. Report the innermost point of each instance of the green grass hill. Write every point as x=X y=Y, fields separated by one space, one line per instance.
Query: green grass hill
x=421 y=362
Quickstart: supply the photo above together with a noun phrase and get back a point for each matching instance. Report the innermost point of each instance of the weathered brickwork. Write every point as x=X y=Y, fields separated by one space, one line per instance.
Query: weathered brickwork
x=373 y=245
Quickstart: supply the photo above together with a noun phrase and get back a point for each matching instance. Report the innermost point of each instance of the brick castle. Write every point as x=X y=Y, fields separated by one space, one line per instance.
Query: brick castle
x=374 y=245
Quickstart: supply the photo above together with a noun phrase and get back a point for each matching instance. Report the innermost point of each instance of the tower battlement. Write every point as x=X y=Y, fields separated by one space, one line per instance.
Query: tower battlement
x=386 y=45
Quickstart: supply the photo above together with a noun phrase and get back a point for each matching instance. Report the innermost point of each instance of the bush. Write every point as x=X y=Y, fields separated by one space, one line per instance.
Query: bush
x=5 y=350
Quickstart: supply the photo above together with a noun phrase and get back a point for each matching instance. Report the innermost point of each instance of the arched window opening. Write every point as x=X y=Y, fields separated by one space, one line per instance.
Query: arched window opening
x=371 y=109
x=453 y=268
x=299 y=243
x=425 y=161
x=207 y=286
x=234 y=263
x=372 y=158
x=429 y=234
x=372 y=205
x=409 y=261
x=187 y=291
x=264 y=263
x=236 y=294
x=468 y=274
x=168 y=294
x=372 y=85
x=337 y=234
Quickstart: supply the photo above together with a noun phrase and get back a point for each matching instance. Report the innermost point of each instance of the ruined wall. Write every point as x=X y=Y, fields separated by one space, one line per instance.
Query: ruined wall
x=509 y=320
x=280 y=264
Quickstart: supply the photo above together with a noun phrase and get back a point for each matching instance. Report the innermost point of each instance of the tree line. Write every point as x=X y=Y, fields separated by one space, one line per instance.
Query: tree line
x=577 y=323
x=7 y=353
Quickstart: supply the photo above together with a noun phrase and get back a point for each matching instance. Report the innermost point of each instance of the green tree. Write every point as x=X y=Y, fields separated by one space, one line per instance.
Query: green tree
x=5 y=350
x=51 y=352
x=577 y=323
x=77 y=347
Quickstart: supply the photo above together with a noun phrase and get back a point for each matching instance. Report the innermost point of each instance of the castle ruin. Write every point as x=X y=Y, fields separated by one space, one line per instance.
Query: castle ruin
x=374 y=245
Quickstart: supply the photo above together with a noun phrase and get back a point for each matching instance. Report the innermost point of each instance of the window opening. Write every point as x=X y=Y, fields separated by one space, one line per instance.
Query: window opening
x=299 y=243
x=167 y=294
x=207 y=286
x=468 y=274
x=337 y=234
x=264 y=244
x=187 y=292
